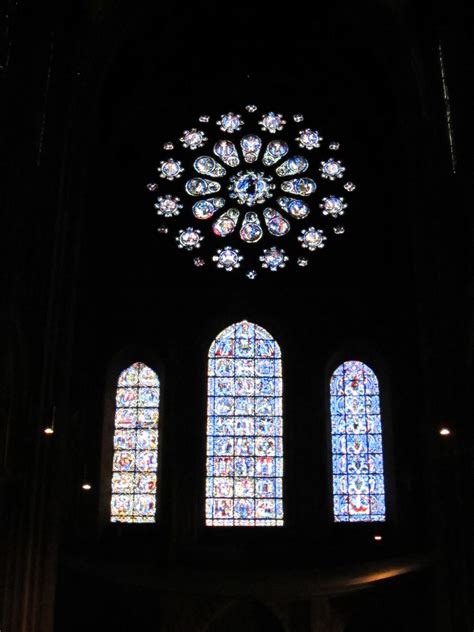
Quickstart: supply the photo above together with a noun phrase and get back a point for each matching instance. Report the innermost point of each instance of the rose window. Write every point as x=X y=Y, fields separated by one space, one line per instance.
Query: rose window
x=236 y=194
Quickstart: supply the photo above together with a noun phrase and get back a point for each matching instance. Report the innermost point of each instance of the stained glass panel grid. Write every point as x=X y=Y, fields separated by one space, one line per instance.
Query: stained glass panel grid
x=244 y=429
x=135 y=459
x=357 y=452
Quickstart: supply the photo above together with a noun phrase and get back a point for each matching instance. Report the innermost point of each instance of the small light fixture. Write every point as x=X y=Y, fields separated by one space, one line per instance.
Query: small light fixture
x=86 y=486
x=444 y=432
x=49 y=430
x=378 y=538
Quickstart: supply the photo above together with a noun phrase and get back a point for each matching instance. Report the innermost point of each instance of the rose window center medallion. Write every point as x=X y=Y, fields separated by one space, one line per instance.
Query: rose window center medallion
x=257 y=185
x=251 y=187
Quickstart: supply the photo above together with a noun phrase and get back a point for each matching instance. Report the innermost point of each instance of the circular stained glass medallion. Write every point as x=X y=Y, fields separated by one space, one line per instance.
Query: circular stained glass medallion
x=253 y=190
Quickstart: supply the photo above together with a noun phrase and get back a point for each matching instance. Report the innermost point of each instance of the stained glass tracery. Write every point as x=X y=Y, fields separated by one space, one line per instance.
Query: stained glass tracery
x=258 y=176
x=244 y=429
x=357 y=454
x=135 y=460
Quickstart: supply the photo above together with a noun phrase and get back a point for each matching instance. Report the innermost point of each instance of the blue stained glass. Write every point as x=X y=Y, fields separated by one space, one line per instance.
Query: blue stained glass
x=244 y=367
x=244 y=447
x=223 y=405
x=375 y=463
x=244 y=426
x=135 y=459
x=374 y=424
x=268 y=426
x=265 y=487
x=224 y=367
x=244 y=348
x=223 y=466
x=357 y=463
x=148 y=397
x=244 y=386
x=244 y=330
x=223 y=425
x=224 y=445
x=244 y=466
x=244 y=405
x=243 y=487
x=148 y=417
x=265 y=349
x=356 y=444
x=265 y=368
x=375 y=443
x=339 y=444
x=357 y=453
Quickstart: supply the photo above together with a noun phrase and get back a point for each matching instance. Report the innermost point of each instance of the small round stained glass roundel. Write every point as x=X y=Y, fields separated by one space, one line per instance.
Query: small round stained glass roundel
x=253 y=189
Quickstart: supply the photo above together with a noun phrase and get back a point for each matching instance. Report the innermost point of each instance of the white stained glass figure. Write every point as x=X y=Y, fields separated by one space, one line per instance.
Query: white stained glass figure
x=277 y=225
x=333 y=205
x=332 y=169
x=251 y=146
x=226 y=223
x=357 y=454
x=312 y=239
x=207 y=166
x=274 y=152
x=227 y=152
x=204 y=209
x=273 y=258
x=230 y=122
x=251 y=230
x=272 y=122
x=193 y=139
x=168 y=206
x=296 y=208
x=309 y=139
x=135 y=458
x=244 y=483
x=201 y=186
x=170 y=169
x=292 y=166
x=228 y=258
x=189 y=238
x=299 y=186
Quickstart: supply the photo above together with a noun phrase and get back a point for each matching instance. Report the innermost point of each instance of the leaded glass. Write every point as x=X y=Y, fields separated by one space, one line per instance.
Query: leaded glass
x=254 y=176
x=244 y=429
x=135 y=460
x=357 y=454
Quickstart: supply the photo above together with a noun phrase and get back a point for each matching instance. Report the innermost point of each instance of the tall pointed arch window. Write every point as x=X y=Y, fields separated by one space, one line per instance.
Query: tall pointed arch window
x=244 y=429
x=135 y=459
x=357 y=454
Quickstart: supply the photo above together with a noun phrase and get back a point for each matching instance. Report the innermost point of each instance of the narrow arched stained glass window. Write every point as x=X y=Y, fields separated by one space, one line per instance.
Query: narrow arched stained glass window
x=357 y=455
x=244 y=431
x=135 y=459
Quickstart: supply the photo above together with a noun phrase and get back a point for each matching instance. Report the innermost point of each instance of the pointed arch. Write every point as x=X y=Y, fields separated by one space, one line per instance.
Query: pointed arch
x=357 y=451
x=244 y=429
x=135 y=456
